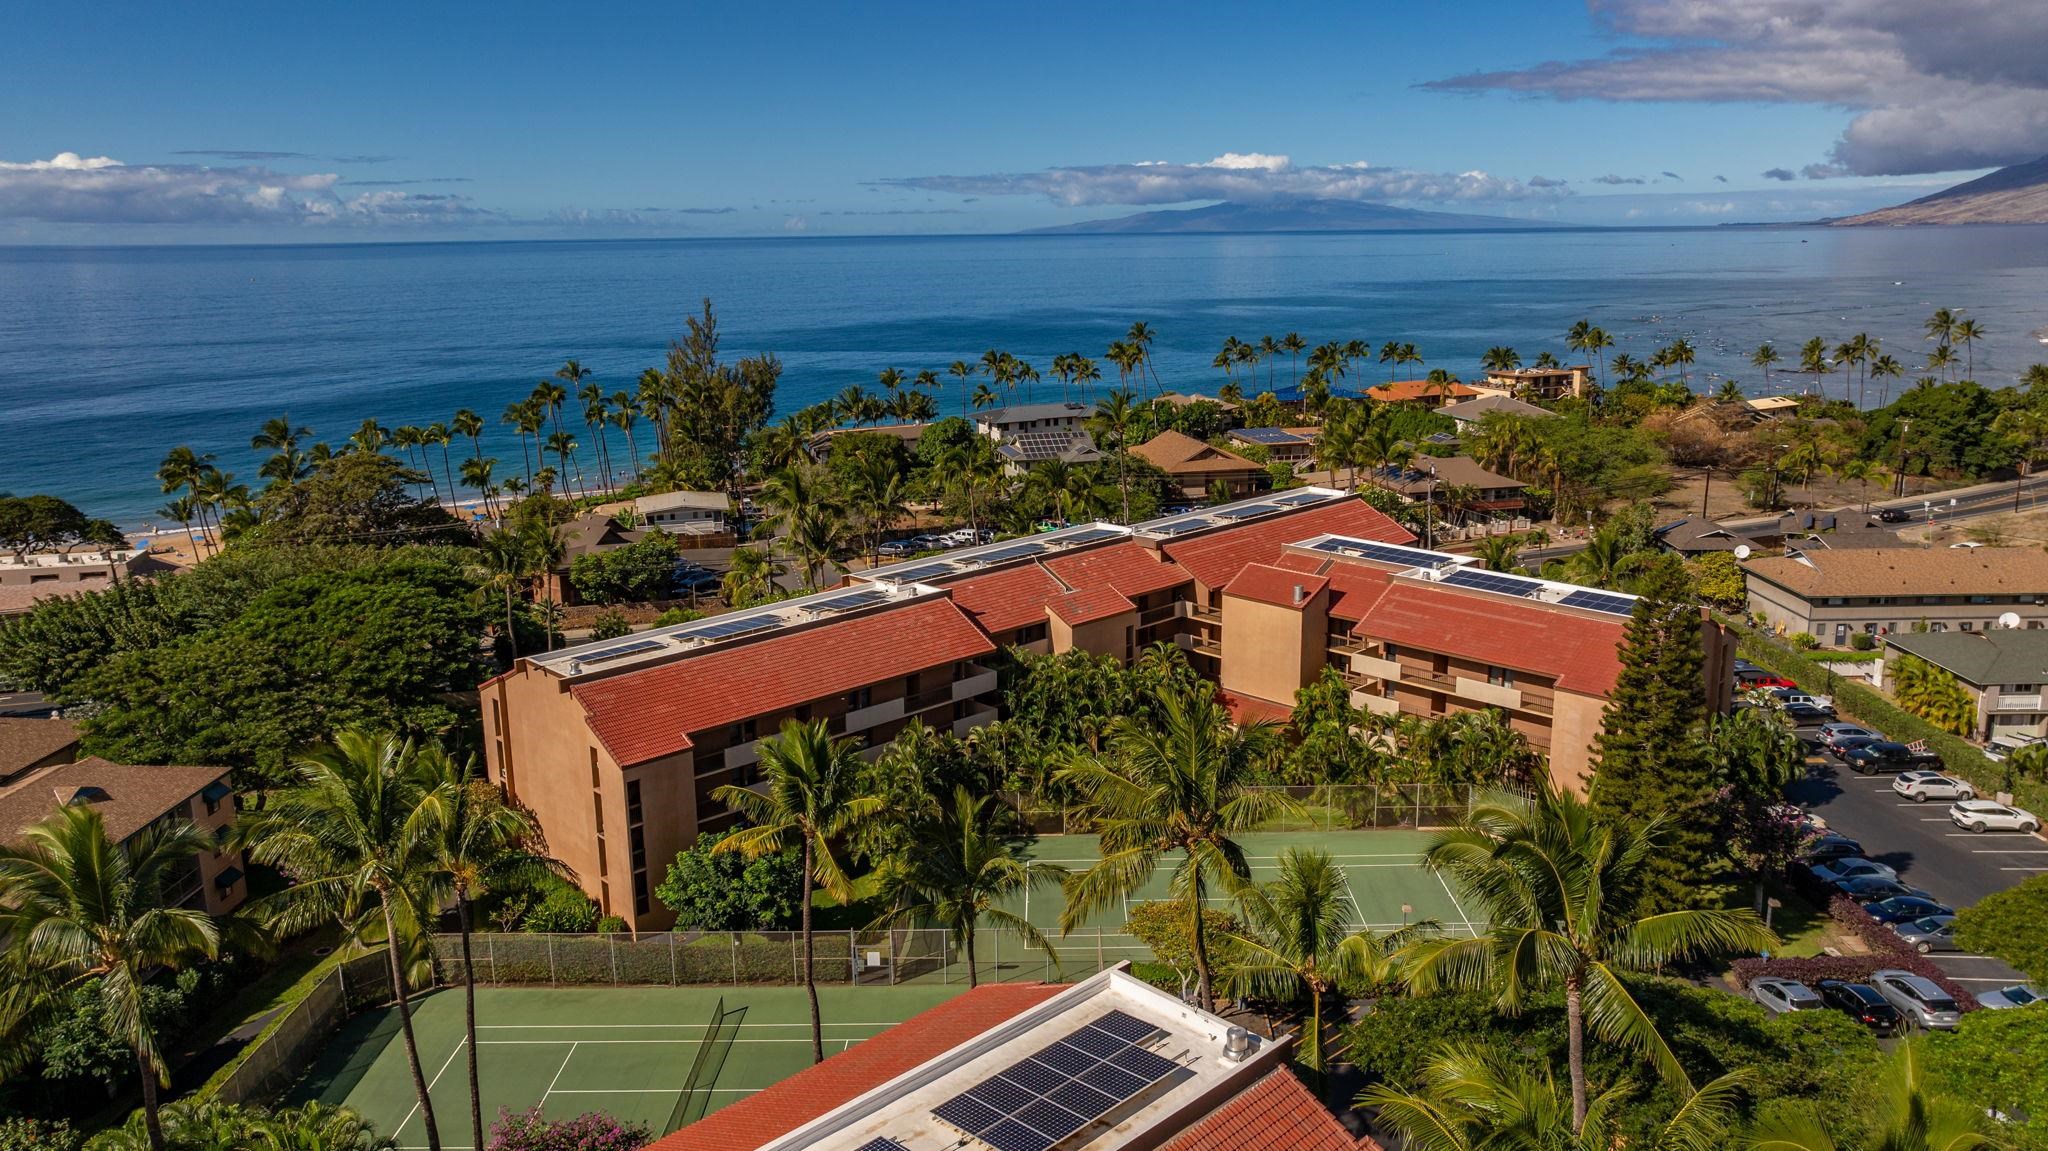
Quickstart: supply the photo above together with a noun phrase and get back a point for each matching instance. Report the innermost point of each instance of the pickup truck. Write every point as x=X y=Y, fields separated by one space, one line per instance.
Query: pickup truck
x=1872 y=758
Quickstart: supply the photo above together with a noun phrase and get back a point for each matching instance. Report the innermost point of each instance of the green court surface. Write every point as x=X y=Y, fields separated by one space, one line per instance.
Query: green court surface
x=626 y=1051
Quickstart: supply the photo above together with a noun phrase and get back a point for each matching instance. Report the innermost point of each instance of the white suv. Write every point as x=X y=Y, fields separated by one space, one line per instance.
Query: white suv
x=1918 y=998
x=1984 y=815
x=1921 y=786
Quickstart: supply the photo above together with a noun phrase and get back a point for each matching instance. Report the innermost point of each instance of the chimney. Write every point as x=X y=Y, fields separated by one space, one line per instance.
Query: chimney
x=1298 y=595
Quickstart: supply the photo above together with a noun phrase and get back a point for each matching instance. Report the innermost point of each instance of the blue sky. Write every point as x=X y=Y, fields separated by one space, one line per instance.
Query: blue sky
x=266 y=122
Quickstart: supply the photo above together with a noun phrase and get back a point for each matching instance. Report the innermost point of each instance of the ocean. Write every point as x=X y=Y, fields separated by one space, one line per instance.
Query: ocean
x=110 y=356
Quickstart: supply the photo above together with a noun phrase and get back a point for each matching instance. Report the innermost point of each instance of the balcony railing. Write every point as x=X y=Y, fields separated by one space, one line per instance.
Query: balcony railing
x=924 y=700
x=981 y=682
x=861 y=719
x=743 y=755
x=1159 y=614
x=980 y=717
x=2019 y=702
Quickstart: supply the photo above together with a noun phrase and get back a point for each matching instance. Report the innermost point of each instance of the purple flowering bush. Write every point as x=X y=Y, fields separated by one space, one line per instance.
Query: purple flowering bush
x=529 y=1130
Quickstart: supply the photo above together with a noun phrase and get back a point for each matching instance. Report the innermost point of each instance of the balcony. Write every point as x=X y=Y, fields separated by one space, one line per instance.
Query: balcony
x=1159 y=614
x=926 y=700
x=2019 y=702
x=861 y=719
x=981 y=682
x=1374 y=703
x=1488 y=693
x=1199 y=611
x=1205 y=645
x=743 y=755
x=1362 y=664
x=981 y=717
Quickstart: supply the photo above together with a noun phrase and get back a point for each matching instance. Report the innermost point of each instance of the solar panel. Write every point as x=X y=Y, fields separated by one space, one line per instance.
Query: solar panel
x=883 y=1144
x=1061 y=1088
x=1126 y=1027
x=1013 y=552
x=1493 y=582
x=621 y=651
x=1087 y=537
x=1601 y=601
x=1068 y=1061
x=1383 y=553
x=1268 y=436
x=848 y=602
x=1180 y=527
x=918 y=574
x=1000 y=1094
x=1296 y=499
x=723 y=629
x=1246 y=512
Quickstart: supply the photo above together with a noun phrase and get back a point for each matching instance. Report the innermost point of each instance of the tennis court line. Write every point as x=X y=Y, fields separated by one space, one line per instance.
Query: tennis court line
x=1467 y=919
x=430 y=1084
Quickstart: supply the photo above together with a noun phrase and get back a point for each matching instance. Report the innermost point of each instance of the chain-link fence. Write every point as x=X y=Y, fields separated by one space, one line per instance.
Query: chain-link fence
x=280 y=1053
x=1321 y=807
x=699 y=958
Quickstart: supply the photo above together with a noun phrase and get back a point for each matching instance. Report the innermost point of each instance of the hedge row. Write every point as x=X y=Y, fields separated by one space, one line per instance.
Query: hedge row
x=1855 y=701
x=1887 y=951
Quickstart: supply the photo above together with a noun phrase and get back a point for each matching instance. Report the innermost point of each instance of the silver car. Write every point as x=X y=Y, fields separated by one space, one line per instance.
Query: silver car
x=2007 y=998
x=1921 y=786
x=1918 y=998
x=1784 y=996
x=1933 y=933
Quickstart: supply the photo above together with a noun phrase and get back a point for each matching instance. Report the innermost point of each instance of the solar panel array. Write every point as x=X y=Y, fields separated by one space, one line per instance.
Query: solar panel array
x=1181 y=527
x=1267 y=436
x=621 y=651
x=1608 y=602
x=1013 y=552
x=1088 y=536
x=883 y=1144
x=1493 y=582
x=863 y=598
x=727 y=628
x=1383 y=553
x=1246 y=512
x=1296 y=499
x=919 y=573
x=1061 y=1088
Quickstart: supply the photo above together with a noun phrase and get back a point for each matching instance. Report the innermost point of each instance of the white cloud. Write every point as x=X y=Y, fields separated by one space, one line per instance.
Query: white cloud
x=72 y=189
x=1241 y=176
x=1934 y=87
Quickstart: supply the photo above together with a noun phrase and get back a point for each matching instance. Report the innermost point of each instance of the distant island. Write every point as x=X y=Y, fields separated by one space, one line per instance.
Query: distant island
x=1289 y=216
x=2014 y=195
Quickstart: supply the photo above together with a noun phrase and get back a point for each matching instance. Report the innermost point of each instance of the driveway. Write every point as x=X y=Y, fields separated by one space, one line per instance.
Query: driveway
x=1916 y=839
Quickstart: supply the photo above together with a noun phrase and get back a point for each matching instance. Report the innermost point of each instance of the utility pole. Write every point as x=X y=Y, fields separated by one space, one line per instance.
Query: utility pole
x=1899 y=477
x=1706 y=491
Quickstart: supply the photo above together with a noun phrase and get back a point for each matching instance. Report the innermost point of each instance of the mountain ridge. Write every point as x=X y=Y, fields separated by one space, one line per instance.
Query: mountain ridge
x=2015 y=194
x=1286 y=216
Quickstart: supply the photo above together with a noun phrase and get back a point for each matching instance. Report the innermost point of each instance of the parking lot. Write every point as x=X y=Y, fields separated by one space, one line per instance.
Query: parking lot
x=1928 y=851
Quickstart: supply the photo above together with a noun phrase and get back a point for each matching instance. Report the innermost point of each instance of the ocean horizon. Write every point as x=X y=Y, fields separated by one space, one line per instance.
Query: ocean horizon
x=116 y=353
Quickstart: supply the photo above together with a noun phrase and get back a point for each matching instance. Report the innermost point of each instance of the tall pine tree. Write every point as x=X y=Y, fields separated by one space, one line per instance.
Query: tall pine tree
x=1652 y=755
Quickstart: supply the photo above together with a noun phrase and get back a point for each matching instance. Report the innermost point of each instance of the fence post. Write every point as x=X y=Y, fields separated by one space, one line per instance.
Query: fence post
x=1098 y=948
x=491 y=952
x=674 y=976
x=734 y=940
x=551 y=960
x=796 y=957
x=999 y=957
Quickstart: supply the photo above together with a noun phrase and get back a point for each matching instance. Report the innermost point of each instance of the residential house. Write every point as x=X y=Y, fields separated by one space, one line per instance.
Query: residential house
x=1020 y=450
x=1837 y=530
x=590 y=533
x=698 y=515
x=28 y=578
x=1295 y=447
x=28 y=745
x=1694 y=536
x=2003 y=669
x=1198 y=469
x=1468 y=413
x=1000 y=424
x=1541 y=383
x=1886 y=591
x=1427 y=477
x=1428 y=393
x=131 y=799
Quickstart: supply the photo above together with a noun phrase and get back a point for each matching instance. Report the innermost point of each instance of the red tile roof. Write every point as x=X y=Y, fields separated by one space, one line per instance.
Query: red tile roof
x=1214 y=557
x=1354 y=588
x=1582 y=654
x=1268 y=584
x=1005 y=600
x=1275 y=1114
x=1130 y=568
x=1250 y=709
x=1090 y=604
x=643 y=715
x=788 y=1105
x=1403 y=390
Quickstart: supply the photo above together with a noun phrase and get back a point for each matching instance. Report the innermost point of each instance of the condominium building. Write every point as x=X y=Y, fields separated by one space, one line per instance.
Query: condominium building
x=619 y=745
x=2003 y=669
x=1541 y=383
x=1833 y=594
x=29 y=578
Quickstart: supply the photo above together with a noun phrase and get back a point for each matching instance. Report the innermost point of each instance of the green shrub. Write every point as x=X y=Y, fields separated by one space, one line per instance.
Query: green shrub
x=610 y=624
x=1162 y=925
x=1862 y=641
x=712 y=890
x=612 y=925
x=564 y=908
x=36 y=1135
x=1804 y=641
x=676 y=615
x=2009 y=925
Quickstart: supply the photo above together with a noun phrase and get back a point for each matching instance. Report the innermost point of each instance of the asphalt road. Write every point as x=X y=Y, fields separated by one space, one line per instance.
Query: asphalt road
x=24 y=703
x=1929 y=852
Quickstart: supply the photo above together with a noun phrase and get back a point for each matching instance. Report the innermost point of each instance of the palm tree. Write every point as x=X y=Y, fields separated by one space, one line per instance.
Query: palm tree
x=182 y=509
x=287 y=465
x=526 y=417
x=963 y=861
x=1861 y=471
x=1296 y=943
x=1500 y=358
x=1085 y=372
x=1967 y=333
x=1560 y=887
x=80 y=910
x=1885 y=367
x=476 y=473
x=597 y=416
x=1497 y=554
x=1184 y=787
x=356 y=834
x=1813 y=360
x=1474 y=1098
x=1856 y=351
x=572 y=374
x=469 y=425
x=961 y=371
x=1941 y=326
x=1913 y=1118
x=1111 y=427
x=1139 y=338
x=1293 y=345
x=1680 y=354
x=476 y=842
x=1764 y=356
x=1337 y=442
x=810 y=800
x=507 y=566
x=749 y=576
x=181 y=468
x=1942 y=359
x=623 y=418
x=564 y=446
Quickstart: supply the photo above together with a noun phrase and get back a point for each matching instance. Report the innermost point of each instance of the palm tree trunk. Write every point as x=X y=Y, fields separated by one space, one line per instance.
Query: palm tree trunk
x=412 y=1046
x=511 y=636
x=810 y=981
x=151 y=1124
x=1575 y=1045
x=972 y=981
x=476 y=1097
x=1201 y=948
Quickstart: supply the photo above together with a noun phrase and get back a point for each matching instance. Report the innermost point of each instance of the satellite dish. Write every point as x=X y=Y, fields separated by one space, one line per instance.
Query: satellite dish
x=2010 y=619
x=1742 y=551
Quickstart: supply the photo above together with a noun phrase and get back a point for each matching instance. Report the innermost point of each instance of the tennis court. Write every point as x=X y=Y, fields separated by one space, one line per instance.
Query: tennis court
x=626 y=1051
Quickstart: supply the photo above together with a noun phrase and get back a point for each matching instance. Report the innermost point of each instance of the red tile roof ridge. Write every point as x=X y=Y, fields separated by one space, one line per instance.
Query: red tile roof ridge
x=775 y=1111
x=1214 y=557
x=1276 y=1113
x=1090 y=604
x=1275 y=585
x=1581 y=653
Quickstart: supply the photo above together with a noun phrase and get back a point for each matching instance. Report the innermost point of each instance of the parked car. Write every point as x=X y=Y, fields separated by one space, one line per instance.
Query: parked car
x=2007 y=998
x=702 y=583
x=1784 y=996
x=1985 y=815
x=1934 y=933
x=1893 y=515
x=1762 y=680
x=1832 y=845
x=1872 y=758
x=1792 y=695
x=1872 y=889
x=1919 y=999
x=1831 y=734
x=1803 y=713
x=2001 y=748
x=897 y=549
x=1847 y=744
x=1852 y=867
x=1921 y=786
x=960 y=537
x=1861 y=1002
x=1905 y=909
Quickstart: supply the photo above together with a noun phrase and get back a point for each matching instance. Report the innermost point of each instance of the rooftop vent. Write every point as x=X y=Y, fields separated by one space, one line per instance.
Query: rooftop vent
x=84 y=795
x=1298 y=595
x=1237 y=1045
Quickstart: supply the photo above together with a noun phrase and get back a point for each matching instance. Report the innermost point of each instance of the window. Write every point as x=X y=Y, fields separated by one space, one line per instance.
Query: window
x=1500 y=676
x=497 y=728
x=743 y=732
x=593 y=769
x=633 y=814
x=1033 y=634
x=859 y=698
x=803 y=713
x=909 y=686
x=1390 y=651
x=1966 y=626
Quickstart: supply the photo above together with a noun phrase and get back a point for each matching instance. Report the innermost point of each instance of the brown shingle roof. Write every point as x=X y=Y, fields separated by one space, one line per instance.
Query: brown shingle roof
x=1177 y=453
x=135 y=795
x=27 y=742
x=1908 y=571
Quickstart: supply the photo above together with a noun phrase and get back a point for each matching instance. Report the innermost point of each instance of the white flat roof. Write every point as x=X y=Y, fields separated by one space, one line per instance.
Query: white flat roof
x=901 y=1110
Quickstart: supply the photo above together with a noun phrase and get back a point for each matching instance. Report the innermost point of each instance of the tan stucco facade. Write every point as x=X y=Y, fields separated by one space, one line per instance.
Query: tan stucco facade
x=1271 y=651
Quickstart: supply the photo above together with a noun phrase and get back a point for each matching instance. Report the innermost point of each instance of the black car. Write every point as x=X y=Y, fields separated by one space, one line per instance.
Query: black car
x=1807 y=713
x=1893 y=515
x=1873 y=888
x=1905 y=909
x=1830 y=846
x=1861 y=1003
x=1885 y=756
